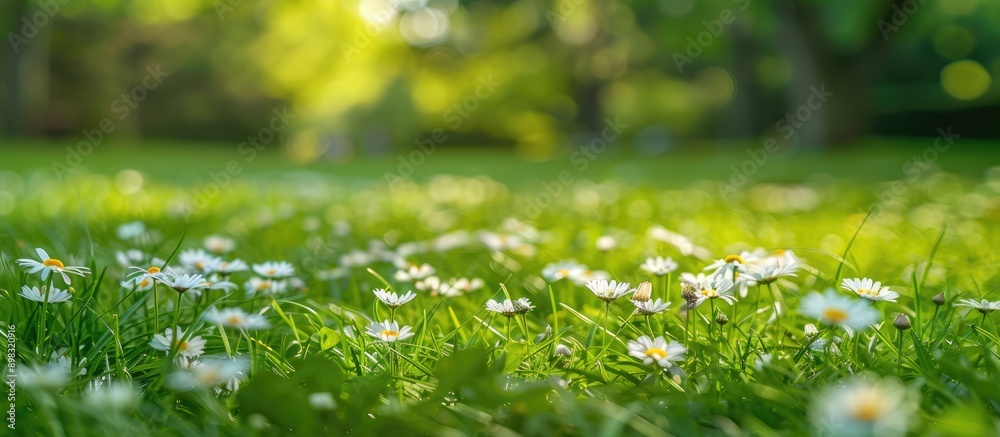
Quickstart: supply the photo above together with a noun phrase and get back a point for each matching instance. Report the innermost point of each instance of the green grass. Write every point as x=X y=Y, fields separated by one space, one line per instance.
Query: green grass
x=470 y=372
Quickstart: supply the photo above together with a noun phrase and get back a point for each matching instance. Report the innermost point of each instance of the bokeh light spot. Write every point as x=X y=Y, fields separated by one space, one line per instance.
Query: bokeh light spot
x=965 y=80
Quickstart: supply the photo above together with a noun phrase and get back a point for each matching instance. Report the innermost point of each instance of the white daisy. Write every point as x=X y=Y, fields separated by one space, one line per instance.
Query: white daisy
x=608 y=291
x=650 y=307
x=230 y=267
x=265 y=286
x=198 y=260
x=868 y=289
x=50 y=376
x=52 y=295
x=414 y=272
x=659 y=266
x=129 y=257
x=698 y=289
x=130 y=230
x=181 y=283
x=236 y=318
x=274 y=269
x=431 y=284
x=523 y=305
x=138 y=283
x=984 y=306
x=561 y=270
x=506 y=307
x=116 y=396
x=355 y=258
x=190 y=348
x=51 y=265
x=864 y=407
x=606 y=243
x=389 y=331
x=656 y=351
x=215 y=282
x=459 y=286
x=219 y=244
x=209 y=373
x=832 y=308
x=734 y=265
x=782 y=263
x=391 y=299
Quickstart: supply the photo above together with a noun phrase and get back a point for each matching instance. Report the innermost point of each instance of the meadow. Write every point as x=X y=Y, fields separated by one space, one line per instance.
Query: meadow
x=636 y=299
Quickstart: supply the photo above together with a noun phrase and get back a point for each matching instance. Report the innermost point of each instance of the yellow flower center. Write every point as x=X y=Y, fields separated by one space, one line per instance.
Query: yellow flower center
x=779 y=252
x=867 y=407
x=865 y=292
x=562 y=273
x=388 y=333
x=153 y=269
x=144 y=282
x=52 y=262
x=181 y=345
x=656 y=353
x=835 y=315
x=737 y=258
x=264 y=285
x=234 y=320
x=708 y=292
x=199 y=265
x=271 y=271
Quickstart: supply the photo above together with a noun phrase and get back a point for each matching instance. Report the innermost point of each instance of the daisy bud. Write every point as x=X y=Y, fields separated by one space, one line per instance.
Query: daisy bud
x=643 y=293
x=902 y=322
x=545 y=334
x=938 y=299
x=721 y=319
x=563 y=350
x=811 y=330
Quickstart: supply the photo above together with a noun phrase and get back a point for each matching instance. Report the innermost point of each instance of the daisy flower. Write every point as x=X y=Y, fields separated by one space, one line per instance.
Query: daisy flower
x=181 y=283
x=606 y=243
x=585 y=275
x=389 y=331
x=460 y=286
x=659 y=266
x=650 y=307
x=984 y=306
x=506 y=307
x=355 y=258
x=414 y=272
x=129 y=257
x=608 y=291
x=131 y=230
x=49 y=265
x=782 y=263
x=198 y=260
x=209 y=373
x=523 y=305
x=213 y=283
x=190 y=348
x=431 y=284
x=656 y=351
x=698 y=289
x=139 y=284
x=734 y=265
x=862 y=406
x=51 y=295
x=274 y=269
x=50 y=376
x=832 y=308
x=117 y=396
x=236 y=318
x=868 y=289
x=219 y=244
x=393 y=300
x=265 y=286
x=561 y=270
x=229 y=267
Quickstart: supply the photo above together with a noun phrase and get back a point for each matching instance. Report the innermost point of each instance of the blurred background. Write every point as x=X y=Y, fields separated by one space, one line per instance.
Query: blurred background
x=536 y=79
